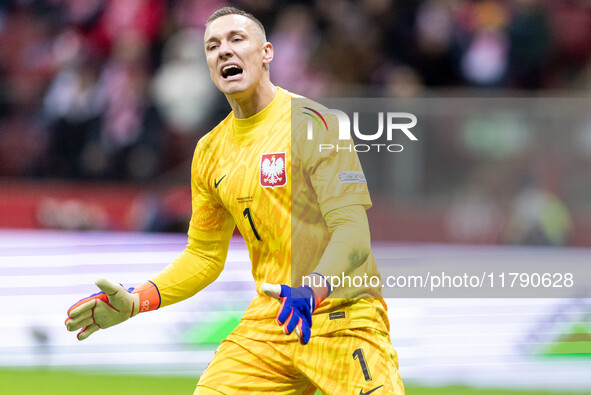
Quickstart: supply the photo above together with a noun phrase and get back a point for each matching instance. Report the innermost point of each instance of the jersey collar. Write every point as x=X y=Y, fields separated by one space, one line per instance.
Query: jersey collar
x=245 y=129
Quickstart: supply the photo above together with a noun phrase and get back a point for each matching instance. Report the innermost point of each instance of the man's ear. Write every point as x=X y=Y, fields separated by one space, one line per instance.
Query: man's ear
x=267 y=53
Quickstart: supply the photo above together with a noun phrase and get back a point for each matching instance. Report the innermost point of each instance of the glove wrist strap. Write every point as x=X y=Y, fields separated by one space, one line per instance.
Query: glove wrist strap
x=149 y=296
x=320 y=293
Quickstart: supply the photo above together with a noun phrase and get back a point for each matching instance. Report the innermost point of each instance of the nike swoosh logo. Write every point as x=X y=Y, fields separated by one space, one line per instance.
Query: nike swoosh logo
x=370 y=391
x=216 y=183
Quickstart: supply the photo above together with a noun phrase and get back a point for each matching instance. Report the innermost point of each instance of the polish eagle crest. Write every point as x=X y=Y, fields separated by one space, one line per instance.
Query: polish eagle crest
x=273 y=170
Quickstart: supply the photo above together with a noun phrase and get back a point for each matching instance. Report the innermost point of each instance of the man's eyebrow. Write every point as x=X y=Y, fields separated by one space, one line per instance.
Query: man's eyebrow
x=230 y=33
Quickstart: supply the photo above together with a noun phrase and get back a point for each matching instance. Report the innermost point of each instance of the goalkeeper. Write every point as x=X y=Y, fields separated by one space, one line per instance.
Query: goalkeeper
x=302 y=215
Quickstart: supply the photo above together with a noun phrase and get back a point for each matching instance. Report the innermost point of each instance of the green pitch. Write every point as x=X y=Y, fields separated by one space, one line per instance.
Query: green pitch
x=50 y=382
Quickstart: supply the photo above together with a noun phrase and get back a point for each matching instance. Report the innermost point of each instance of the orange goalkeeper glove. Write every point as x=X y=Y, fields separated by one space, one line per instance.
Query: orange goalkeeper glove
x=113 y=305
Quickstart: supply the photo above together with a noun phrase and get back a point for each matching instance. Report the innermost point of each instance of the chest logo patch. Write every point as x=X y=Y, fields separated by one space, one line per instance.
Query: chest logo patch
x=273 y=173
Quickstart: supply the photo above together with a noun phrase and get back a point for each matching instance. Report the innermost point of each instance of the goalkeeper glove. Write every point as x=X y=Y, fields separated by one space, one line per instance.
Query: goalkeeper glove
x=113 y=305
x=297 y=307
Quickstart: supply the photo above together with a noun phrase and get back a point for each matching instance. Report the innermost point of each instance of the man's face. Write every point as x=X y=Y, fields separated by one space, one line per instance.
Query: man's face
x=236 y=53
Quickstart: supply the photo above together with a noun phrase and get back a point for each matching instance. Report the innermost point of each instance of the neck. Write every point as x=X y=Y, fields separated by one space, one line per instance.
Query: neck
x=246 y=104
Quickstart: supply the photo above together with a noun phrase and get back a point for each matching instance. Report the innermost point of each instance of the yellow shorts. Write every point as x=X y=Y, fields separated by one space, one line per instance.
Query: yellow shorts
x=350 y=361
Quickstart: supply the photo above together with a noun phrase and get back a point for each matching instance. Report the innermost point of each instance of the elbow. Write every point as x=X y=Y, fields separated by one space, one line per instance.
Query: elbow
x=359 y=254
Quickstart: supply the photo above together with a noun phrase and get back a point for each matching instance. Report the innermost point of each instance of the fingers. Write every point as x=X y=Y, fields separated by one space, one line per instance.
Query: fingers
x=272 y=290
x=303 y=332
x=82 y=319
x=82 y=312
x=83 y=308
x=292 y=321
x=295 y=312
x=98 y=295
x=87 y=331
x=83 y=304
x=94 y=309
x=108 y=287
x=284 y=312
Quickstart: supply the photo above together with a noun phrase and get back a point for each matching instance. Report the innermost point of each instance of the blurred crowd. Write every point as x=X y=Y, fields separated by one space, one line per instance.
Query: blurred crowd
x=119 y=89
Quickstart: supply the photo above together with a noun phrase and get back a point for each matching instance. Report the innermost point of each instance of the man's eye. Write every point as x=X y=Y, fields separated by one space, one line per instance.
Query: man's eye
x=212 y=47
x=236 y=39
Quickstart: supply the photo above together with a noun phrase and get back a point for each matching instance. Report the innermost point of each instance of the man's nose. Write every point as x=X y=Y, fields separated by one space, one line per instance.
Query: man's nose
x=225 y=50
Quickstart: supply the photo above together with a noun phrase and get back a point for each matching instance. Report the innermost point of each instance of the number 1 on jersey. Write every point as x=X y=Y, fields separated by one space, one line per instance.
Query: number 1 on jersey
x=246 y=214
x=358 y=354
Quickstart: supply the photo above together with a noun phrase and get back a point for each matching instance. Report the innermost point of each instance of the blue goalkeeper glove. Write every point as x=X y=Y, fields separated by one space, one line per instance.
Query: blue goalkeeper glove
x=297 y=307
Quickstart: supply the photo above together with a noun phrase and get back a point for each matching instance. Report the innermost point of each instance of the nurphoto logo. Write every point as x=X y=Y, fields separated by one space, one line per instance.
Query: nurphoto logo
x=390 y=122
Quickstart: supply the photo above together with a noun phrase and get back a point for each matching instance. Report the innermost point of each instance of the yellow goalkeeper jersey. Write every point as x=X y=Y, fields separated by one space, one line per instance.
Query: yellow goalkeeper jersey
x=275 y=187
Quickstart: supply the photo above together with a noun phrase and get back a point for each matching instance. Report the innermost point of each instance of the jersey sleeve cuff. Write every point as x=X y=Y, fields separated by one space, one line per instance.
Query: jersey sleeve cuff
x=149 y=296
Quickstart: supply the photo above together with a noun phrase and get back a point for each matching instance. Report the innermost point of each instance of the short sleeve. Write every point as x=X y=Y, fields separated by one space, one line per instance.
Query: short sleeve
x=336 y=175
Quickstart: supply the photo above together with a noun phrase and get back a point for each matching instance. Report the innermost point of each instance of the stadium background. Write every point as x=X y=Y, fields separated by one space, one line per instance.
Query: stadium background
x=102 y=102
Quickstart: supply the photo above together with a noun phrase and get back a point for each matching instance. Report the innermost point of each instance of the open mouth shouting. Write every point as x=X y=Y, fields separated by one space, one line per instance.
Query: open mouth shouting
x=231 y=72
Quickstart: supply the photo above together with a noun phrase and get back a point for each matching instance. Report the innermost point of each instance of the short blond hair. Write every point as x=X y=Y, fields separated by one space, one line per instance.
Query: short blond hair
x=235 y=11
